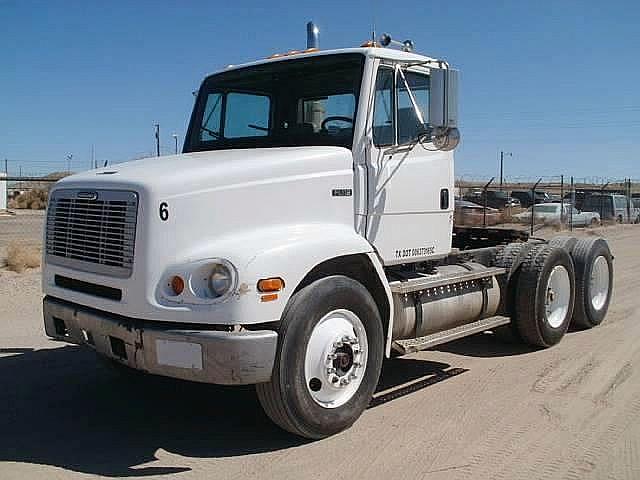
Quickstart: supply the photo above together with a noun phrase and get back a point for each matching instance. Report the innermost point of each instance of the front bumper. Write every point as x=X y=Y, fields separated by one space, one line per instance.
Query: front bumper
x=210 y=356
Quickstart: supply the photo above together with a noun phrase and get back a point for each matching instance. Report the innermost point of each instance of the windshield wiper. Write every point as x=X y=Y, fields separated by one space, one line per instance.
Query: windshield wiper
x=258 y=127
x=211 y=132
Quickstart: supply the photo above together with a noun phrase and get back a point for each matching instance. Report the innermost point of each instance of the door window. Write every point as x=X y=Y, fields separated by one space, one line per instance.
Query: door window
x=410 y=125
x=383 y=128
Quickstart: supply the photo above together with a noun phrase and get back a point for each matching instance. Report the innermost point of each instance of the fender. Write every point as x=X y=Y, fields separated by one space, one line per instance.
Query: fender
x=285 y=251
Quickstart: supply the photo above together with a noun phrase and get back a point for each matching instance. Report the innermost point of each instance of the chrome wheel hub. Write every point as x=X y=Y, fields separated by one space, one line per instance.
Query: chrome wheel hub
x=558 y=296
x=336 y=358
x=599 y=283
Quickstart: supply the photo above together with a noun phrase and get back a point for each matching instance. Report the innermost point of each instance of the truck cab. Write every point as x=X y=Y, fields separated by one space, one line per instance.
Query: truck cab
x=304 y=233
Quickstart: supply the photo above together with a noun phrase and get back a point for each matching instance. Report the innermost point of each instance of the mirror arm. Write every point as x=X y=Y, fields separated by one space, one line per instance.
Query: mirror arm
x=411 y=97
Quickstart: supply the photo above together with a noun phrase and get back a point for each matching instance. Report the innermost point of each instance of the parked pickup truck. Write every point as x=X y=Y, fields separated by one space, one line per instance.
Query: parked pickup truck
x=550 y=213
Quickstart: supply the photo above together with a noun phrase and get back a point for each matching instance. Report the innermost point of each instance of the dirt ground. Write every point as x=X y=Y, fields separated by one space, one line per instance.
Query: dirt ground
x=474 y=409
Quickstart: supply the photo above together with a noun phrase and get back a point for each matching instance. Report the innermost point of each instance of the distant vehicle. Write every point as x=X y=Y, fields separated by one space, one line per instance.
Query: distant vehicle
x=495 y=199
x=577 y=198
x=470 y=213
x=550 y=213
x=526 y=197
x=613 y=206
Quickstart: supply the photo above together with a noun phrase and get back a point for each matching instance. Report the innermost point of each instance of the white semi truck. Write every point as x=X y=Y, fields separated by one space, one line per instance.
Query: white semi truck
x=304 y=234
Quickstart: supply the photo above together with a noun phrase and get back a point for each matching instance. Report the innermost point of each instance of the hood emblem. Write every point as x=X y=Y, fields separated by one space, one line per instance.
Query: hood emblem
x=87 y=195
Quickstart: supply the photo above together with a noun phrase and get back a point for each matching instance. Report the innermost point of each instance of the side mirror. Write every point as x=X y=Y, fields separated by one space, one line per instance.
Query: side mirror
x=443 y=108
x=443 y=103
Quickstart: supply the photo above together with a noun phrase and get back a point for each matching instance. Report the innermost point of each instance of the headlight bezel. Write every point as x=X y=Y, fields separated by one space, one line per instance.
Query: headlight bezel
x=197 y=277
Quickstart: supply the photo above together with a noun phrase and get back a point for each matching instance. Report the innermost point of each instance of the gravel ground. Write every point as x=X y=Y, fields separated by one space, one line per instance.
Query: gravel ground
x=480 y=409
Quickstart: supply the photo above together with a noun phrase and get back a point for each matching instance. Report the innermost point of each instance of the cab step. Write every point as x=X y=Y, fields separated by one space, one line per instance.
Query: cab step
x=426 y=281
x=421 y=343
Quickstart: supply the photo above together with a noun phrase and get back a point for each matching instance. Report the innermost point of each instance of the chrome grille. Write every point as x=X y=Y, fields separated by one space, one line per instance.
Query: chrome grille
x=92 y=231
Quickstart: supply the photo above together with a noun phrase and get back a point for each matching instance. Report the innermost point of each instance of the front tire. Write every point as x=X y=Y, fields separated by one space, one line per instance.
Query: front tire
x=330 y=351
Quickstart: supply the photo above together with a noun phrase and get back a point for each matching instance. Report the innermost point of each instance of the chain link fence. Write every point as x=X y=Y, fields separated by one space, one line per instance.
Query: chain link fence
x=561 y=202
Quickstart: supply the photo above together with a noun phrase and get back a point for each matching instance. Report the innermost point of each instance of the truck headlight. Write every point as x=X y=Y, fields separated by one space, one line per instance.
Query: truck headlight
x=221 y=279
x=212 y=280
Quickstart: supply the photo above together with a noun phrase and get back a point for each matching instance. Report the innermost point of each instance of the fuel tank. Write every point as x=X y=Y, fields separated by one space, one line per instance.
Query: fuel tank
x=435 y=309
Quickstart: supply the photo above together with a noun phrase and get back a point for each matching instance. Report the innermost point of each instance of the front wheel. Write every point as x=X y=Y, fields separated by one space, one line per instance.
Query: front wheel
x=329 y=356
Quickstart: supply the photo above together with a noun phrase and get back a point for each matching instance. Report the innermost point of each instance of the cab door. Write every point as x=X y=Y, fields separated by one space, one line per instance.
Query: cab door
x=410 y=185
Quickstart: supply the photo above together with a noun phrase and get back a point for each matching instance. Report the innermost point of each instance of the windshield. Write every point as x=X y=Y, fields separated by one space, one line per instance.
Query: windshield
x=310 y=101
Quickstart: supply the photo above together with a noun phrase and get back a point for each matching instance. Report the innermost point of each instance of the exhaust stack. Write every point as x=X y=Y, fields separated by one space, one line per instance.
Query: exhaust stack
x=312 y=35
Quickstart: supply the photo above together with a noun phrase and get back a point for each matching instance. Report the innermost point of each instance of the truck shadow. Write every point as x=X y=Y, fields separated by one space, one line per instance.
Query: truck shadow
x=485 y=345
x=62 y=407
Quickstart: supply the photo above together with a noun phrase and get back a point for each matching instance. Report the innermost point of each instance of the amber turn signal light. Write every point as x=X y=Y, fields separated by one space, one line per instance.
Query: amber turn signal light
x=274 y=284
x=177 y=284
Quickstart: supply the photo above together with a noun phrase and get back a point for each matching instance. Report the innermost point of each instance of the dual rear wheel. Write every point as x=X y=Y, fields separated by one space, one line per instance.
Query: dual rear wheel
x=555 y=285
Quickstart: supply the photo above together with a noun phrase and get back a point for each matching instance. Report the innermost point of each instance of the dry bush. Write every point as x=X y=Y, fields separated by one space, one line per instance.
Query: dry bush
x=35 y=199
x=21 y=257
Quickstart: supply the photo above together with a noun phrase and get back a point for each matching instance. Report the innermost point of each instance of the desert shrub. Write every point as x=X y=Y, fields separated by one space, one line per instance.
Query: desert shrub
x=21 y=257
x=35 y=199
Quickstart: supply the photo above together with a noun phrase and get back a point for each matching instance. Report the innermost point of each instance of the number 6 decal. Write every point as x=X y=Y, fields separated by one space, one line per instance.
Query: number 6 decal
x=164 y=211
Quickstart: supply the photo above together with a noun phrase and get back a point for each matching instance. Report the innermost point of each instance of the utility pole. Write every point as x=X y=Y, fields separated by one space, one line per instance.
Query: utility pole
x=157 y=139
x=502 y=155
x=175 y=137
x=93 y=158
x=6 y=166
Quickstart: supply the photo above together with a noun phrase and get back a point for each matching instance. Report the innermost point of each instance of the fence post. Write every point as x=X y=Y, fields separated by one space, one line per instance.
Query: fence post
x=573 y=205
x=484 y=195
x=602 y=201
x=561 y=201
x=4 y=196
x=533 y=205
x=628 y=195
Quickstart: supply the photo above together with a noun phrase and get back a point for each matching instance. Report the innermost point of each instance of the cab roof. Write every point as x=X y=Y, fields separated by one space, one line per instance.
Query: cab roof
x=376 y=52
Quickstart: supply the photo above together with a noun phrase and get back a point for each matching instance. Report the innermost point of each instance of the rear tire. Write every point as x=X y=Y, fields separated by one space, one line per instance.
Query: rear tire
x=594 y=281
x=509 y=258
x=564 y=241
x=334 y=319
x=545 y=295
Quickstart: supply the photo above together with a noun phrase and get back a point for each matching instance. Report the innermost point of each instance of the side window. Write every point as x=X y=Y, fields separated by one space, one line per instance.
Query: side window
x=409 y=125
x=210 y=129
x=383 y=130
x=621 y=202
x=247 y=115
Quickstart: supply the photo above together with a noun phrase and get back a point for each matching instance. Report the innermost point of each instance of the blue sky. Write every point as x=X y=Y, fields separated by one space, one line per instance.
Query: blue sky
x=554 y=82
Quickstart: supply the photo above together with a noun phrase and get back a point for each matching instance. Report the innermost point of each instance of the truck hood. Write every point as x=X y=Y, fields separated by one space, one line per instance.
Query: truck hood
x=258 y=209
x=199 y=171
